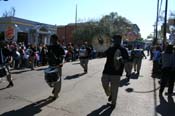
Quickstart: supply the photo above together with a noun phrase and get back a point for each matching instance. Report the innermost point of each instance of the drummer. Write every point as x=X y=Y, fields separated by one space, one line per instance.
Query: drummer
x=5 y=60
x=55 y=58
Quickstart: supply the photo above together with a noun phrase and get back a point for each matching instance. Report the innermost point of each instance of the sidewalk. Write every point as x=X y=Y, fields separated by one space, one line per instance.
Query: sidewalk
x=142 y=97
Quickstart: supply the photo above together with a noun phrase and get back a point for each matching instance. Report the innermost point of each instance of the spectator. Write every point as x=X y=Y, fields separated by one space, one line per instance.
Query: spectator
x=167 y=71
x=156 y=60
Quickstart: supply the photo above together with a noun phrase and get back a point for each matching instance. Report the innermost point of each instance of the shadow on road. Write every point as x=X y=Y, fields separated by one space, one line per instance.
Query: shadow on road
x=166 y=108
x=40 y=69
x=149 y=91
x=76 y=63
x=29 y=110
x=26 y=70
x=19 y=72
x=3 y=88
x=74 y=76
x=104 y=110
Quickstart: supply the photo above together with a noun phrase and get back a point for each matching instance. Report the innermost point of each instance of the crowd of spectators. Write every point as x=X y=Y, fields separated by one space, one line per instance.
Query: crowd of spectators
x=30 y=56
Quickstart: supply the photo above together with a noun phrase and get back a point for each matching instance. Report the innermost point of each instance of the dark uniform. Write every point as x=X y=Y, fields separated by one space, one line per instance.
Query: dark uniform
x=5 y=57
x=55 y=58
x=111 y=76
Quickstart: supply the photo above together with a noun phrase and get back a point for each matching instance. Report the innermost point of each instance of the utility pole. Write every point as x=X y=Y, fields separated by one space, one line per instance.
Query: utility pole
x=157 y=18
x=75 y=20
x=165 y=25
x=76 y=17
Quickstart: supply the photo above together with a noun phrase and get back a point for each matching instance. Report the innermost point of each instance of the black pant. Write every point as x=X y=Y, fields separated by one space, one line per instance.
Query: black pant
x=167 y=79
x=156 y=67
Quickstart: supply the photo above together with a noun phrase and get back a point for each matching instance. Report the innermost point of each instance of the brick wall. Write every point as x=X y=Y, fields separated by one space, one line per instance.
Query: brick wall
x=65 y=33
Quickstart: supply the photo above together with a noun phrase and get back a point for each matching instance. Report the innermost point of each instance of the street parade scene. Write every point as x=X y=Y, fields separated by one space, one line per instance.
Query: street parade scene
x=117 y=61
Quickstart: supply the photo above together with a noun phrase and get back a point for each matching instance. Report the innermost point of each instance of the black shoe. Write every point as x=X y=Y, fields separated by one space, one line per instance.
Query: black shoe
x=54 y=98
x=10 y=85
x=127 y=79
x=128 y=75
x=53 y=91
x=112 y=105
x=85 y=71
x=110 y=98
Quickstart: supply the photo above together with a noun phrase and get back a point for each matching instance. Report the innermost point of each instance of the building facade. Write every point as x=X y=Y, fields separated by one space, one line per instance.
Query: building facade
x=133 y=33
x=65 y=33
x=21 y=30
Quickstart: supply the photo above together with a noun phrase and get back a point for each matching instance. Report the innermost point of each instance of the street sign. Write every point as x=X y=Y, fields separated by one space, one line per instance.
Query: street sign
x=9 y=33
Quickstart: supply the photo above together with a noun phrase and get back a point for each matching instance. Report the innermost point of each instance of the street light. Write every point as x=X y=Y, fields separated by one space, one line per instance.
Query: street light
x=3 y=0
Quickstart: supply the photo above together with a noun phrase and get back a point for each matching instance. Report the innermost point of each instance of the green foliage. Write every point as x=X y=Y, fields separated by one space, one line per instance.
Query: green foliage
x=107 y=25
x=140 y=39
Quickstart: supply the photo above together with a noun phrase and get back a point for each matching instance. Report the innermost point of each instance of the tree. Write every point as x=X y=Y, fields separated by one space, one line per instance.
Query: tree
x=85 y=32
x=150 y=36
x=107 y=25
x=9 y=13
x=115 y=24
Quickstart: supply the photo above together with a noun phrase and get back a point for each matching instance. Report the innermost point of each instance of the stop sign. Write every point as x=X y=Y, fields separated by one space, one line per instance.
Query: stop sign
x=10 y=33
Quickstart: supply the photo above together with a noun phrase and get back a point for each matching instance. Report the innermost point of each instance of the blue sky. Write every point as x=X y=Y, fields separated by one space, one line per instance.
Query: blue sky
x=62 y=12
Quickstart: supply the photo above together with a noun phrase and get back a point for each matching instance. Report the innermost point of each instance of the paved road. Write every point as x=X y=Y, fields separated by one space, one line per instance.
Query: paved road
x=82 y=95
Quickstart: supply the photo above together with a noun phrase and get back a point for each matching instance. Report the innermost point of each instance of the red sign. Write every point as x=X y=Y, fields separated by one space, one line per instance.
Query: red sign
x=10 y=33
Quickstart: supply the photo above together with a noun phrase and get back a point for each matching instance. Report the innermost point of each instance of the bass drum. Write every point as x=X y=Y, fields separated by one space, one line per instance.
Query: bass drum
x=51 y=75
